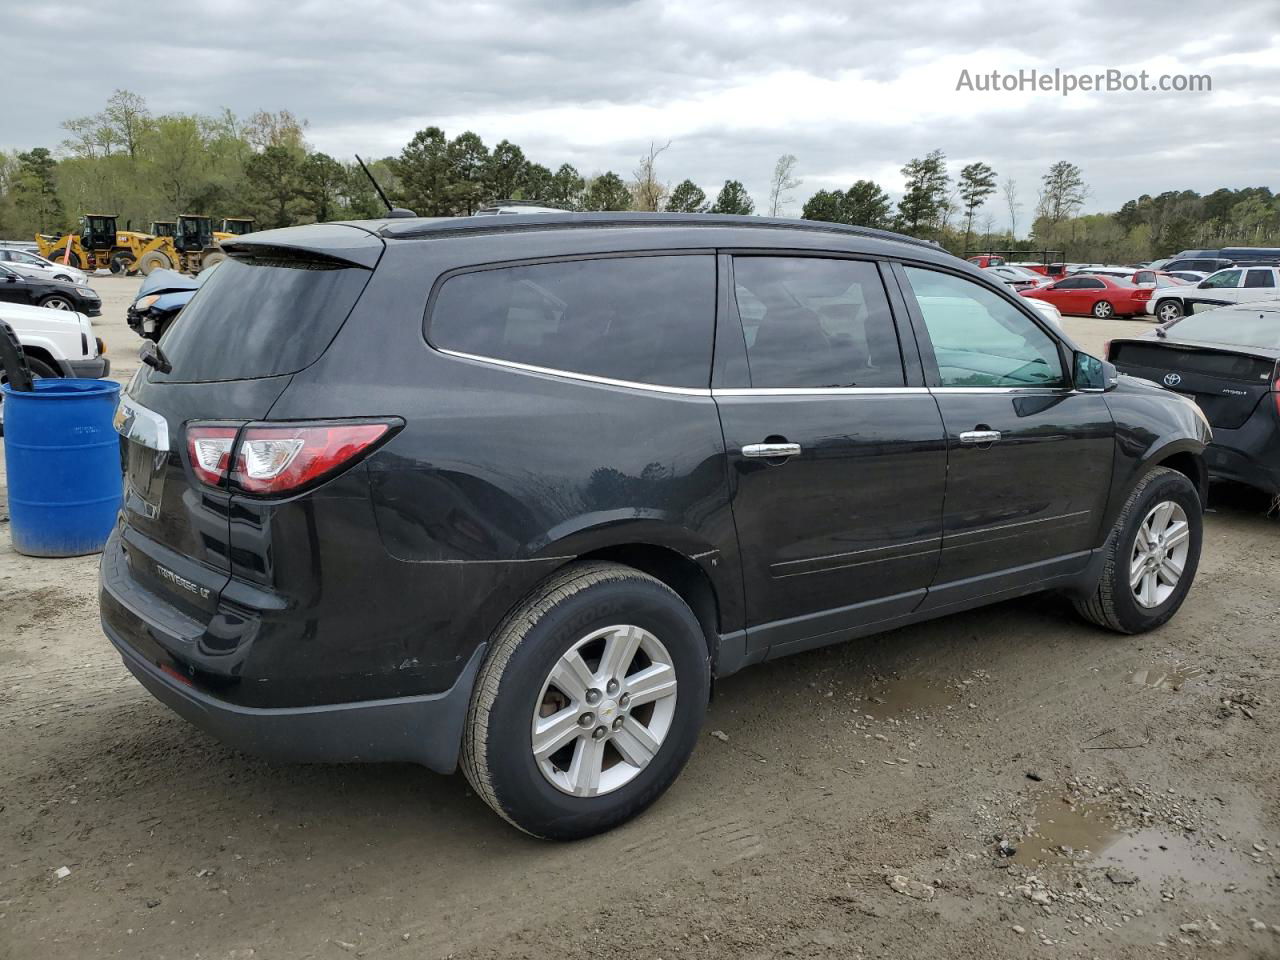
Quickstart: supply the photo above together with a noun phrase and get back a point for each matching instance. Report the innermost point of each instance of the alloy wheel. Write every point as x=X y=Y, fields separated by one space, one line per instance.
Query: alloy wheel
x=604 y=711
x=1159 y=554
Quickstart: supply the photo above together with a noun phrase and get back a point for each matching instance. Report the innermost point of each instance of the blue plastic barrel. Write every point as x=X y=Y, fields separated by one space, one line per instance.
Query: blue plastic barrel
x=62 y=455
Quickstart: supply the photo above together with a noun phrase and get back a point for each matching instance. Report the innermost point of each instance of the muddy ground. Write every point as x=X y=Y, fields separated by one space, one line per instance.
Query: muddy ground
x=854 y=806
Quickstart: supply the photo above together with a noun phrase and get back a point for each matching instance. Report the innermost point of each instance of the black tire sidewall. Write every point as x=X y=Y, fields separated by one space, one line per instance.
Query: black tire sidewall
x=523 y=793
x=1132 y=616
x=1102 y=312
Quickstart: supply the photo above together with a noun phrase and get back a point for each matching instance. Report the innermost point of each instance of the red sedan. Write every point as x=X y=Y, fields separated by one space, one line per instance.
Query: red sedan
x=1103 y=297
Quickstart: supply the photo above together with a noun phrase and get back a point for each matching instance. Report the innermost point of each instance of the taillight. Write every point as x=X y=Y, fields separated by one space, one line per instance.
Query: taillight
x=1106 y=349
x=210 y=451
x=273 y=459
x=279 y=457
x=1275 y=387
x=1142 y=293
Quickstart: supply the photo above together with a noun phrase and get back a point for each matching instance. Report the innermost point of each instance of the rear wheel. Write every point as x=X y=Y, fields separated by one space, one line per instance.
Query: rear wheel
x=57 y=302
x=1151 y=555
x=153 y=261
x=1168 y=311
x=1103 y=310
x=589 y=702
x=212 y=259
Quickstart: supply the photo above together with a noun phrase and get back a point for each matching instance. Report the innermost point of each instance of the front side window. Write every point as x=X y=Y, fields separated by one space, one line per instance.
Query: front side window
x=641 y=319
x=1071 y=283
x=1222 y=279
x=979 y=338
x=814 y=323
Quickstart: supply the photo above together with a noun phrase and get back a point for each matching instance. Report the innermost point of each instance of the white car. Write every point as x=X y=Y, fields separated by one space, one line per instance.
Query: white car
x=36 y=266
x=1232 y=285
x=58 y=343
x=1042 y=307
x=1191 y=276
x=1020 y=278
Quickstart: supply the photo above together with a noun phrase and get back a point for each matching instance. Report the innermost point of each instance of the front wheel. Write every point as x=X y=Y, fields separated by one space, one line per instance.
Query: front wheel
x=1103 y=310
x=589 y=702
x=1151 y=555
x=1168 y=310
x=122 y=264
x=57 y=303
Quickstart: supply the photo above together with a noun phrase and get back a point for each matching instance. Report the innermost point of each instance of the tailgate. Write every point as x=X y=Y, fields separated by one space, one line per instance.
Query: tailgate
x=175 y=531
x=1227 y=386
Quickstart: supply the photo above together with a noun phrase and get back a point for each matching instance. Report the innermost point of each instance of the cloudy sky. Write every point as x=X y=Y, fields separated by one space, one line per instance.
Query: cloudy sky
x=852 y=89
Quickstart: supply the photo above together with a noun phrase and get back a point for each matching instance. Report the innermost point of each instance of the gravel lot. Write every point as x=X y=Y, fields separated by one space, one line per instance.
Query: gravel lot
x=852 y=802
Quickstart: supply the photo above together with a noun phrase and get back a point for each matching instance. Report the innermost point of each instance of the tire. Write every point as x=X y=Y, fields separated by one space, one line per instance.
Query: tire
x=1168 y=311
x=57 y=302
x=1113 y=603
x=63 y=277
x=212 y=259
x=153 y=261
x=56 y=257
x=122 y=264
x=515 y=688
x=1103 y=310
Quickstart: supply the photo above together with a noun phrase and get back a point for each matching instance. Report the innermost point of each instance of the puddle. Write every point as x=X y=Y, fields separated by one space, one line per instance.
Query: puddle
x=905 y=695
x=1159 y=859
x=1164 y=676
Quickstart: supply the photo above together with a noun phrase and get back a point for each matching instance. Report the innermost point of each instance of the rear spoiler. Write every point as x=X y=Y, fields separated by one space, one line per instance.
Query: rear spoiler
x=330 y=241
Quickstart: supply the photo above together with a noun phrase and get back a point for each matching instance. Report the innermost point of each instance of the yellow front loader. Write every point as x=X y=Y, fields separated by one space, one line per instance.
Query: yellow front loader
x=98 y=245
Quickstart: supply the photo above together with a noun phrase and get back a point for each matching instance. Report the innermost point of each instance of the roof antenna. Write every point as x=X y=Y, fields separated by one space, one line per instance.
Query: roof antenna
x=391 y=211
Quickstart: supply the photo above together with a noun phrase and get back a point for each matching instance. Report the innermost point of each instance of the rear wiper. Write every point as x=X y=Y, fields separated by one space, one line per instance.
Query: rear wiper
x=151 y=354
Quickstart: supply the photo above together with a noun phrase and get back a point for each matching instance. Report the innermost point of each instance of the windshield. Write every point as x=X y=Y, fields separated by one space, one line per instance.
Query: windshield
x=261 y=317
x=1251 y=328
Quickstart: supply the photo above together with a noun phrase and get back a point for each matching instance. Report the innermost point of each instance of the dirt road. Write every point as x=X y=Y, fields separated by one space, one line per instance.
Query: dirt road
x=1135 y=781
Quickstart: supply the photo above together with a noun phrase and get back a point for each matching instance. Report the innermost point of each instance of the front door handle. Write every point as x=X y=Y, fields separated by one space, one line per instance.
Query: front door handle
x=771 y=451
x=980 y=436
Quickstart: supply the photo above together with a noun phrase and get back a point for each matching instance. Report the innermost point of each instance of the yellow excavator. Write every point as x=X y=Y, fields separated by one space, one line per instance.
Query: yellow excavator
x=97 y=245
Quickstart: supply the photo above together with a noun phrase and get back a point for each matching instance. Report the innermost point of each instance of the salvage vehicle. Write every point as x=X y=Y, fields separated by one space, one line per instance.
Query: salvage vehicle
x=160 y=299
x=39 y=292
x=1228 y=360
x=1101 y=296
x=58 y=343
x=509 y=492
x=1233 y=285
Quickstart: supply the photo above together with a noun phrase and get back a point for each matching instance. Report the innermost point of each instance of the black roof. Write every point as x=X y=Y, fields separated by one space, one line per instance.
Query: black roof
x=408 y=228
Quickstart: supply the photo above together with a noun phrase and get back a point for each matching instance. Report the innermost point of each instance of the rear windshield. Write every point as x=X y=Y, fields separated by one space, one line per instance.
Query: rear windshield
x=261 y=317
x=1260 y=328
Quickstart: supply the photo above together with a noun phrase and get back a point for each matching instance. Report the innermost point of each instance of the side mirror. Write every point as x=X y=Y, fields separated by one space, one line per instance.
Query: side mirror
x=1203 y=285
x=1093 y=375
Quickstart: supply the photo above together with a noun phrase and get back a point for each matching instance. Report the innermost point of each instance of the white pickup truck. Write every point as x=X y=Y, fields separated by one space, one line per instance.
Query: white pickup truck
x=58 y=343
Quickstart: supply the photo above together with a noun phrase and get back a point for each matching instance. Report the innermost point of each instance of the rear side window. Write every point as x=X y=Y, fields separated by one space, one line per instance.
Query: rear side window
x=810 y=322
x=1259 y=278
x=642 y=319
x=261 y=317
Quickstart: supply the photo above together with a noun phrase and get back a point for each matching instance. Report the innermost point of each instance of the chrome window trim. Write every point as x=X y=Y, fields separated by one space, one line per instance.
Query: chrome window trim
x=812 y=391
x=1001 y=391
x=571 y=375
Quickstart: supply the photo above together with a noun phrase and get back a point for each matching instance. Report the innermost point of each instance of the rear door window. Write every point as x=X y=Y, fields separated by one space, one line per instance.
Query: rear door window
x=261 y=317
x=811 y=322
x=644 y=320
x=1259 y=278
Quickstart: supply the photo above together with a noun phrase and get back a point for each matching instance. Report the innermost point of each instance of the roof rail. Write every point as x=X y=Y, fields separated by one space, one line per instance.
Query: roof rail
x=409 y=229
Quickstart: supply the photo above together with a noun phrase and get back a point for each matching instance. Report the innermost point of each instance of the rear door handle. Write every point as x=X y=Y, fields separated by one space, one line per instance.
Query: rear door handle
x=770 y=451
x=980 y=436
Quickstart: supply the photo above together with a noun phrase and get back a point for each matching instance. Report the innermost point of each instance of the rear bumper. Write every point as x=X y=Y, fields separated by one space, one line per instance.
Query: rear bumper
x=1249 y=454
x=425 y=730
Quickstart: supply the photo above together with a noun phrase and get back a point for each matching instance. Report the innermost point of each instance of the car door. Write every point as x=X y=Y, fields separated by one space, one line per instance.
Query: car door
x=1067 y=297
x=15 y=288
x=1259 y=284
x=1221 y=287
x=836 y=452
x=1029 y=456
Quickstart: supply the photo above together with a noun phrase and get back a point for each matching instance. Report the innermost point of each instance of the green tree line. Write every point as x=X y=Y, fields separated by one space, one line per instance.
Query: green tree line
x=141 y=166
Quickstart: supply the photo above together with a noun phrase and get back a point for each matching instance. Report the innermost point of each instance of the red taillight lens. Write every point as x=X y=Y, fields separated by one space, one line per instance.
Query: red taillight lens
x=1106 y=350
x=1142 y=293
x=210 y=451
x=283 y=457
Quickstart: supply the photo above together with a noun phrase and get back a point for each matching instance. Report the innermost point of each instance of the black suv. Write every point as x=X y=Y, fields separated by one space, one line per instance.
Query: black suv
x=511 y=492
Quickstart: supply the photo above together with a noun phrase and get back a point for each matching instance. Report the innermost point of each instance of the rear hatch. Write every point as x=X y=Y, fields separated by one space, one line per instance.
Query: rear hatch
x=1226 y=385
x=269 y=311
